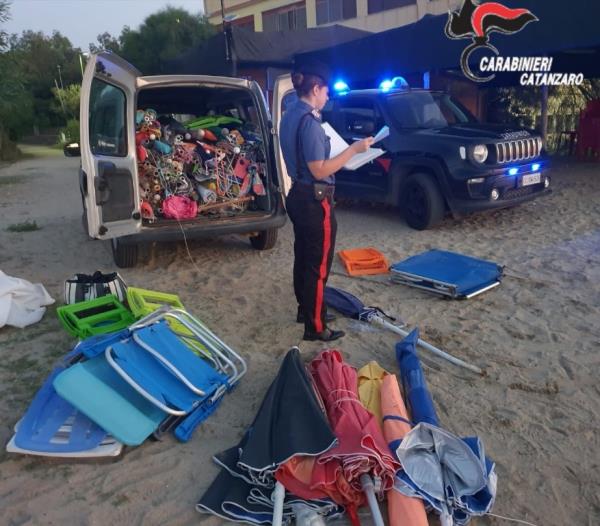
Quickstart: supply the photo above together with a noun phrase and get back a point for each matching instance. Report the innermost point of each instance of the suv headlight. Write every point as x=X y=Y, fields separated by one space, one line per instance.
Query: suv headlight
x=480 y=153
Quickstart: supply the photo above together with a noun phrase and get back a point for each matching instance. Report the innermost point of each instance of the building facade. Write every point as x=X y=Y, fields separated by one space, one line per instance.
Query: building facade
x=282 y=15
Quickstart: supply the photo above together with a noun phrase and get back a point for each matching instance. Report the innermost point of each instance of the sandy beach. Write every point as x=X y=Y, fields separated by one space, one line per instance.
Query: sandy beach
x=537 y=336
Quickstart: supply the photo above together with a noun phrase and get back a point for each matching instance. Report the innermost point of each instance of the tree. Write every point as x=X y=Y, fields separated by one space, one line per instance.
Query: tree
x=4 y=16
x=106 y=41
x=67 y=100
x=161 y=37
x=45 y=62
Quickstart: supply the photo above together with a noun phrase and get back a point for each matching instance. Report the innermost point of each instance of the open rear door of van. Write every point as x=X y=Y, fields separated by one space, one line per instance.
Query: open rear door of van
x=283 y=95
x=108 y=154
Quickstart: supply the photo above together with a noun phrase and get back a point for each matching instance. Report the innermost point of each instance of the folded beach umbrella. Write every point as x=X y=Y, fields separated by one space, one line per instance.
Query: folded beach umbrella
x=452 y=474
x=370 y=378
x=289 y=424
x=402 y=510
x=350 y=306
x=413 y=381
x=361 y=456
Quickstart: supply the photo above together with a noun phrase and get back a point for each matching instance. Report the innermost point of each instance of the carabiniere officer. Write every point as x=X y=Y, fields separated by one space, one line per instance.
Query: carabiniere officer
x=306 y=150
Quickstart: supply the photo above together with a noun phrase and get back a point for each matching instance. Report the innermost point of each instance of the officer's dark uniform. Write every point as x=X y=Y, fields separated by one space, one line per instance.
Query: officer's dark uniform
x=303 y=140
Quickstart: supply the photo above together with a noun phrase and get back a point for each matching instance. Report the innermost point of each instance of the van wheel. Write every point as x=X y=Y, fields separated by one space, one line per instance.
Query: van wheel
x=125 y=255
x=265 y=239
x=421 y=201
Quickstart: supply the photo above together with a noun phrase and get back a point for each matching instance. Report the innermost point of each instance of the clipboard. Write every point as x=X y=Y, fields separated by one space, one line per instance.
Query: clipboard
x=338 y=145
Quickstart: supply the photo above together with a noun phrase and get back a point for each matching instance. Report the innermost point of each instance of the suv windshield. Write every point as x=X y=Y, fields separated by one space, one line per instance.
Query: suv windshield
x=423 y=109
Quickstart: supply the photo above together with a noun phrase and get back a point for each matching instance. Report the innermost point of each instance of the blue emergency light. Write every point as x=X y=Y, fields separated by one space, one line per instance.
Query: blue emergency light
x=395 y=83
x=535 y=167
x=513 y=171
x=341 y=87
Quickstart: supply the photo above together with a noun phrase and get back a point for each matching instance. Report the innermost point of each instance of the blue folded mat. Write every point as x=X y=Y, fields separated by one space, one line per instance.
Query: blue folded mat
x=447 y=273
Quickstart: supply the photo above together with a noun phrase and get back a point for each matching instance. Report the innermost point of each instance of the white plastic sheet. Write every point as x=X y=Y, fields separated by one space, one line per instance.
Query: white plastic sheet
x=21 y=303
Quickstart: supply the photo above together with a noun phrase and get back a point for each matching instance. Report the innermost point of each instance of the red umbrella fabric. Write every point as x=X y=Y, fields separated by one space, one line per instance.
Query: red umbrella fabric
x=361 y=449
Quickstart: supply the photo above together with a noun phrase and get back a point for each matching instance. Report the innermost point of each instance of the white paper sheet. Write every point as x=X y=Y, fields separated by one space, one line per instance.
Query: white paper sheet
x=338 y=145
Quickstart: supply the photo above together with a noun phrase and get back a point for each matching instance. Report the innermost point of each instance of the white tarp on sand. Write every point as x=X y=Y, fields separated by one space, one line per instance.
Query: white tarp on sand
x=21 y=302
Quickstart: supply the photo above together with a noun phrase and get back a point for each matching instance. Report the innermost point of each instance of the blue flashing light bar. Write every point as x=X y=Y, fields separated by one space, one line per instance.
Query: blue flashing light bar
x=395 y=83
x=386 y=85
x=535 y=167
x=513 y=171
x=341 y=87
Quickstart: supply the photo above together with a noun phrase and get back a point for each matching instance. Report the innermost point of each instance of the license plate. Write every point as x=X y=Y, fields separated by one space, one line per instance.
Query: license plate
x=531 y=179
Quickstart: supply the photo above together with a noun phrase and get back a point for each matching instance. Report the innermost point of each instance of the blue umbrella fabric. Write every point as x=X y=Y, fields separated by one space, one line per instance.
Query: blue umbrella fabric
x=451 y=474
x=350 y=306
x=289 y=422
x=416 y=394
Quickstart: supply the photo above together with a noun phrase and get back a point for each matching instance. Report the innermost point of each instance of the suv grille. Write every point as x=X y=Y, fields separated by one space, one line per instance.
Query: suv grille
x=519 y=192
x=510 y=151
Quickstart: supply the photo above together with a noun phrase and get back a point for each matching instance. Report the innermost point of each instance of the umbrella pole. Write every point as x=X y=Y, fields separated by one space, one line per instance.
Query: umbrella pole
x=368 y=488
x=278 y=497
x=425 y=345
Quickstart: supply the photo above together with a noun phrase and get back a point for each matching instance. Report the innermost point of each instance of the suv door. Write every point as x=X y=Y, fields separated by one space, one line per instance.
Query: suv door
x=283 y=95
x=352 y=118
x=108 y=161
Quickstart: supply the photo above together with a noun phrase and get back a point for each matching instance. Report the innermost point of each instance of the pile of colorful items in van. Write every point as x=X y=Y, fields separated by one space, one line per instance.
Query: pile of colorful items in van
x=208 y=165
x=142 y=366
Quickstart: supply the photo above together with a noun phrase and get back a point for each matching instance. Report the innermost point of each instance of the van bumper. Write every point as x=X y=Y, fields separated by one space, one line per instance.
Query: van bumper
x=174 y=231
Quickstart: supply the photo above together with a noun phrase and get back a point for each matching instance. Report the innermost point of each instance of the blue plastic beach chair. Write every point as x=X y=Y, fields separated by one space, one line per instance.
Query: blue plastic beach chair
x=447 y=273
x=135 y=380
x=52 y=427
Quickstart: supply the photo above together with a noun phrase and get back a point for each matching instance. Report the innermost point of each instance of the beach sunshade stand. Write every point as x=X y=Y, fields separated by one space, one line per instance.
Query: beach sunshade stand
x=447 y=273
x=247 y=490
x=459 y=480
x=350 y=306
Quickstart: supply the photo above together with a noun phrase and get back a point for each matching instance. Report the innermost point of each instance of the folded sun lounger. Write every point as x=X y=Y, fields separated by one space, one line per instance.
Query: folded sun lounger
x=135 y=381
x=143 y=302
x=52 y=427
x=447 y=273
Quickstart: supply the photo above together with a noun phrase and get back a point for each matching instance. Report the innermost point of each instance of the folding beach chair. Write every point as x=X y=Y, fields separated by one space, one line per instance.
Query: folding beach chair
x=98 y=316
x=143 y=302
x=52 y=427
x=145 y=377
x=447 y=273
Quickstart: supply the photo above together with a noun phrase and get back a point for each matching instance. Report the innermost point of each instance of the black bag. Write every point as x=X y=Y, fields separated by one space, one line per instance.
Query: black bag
x=83 y=287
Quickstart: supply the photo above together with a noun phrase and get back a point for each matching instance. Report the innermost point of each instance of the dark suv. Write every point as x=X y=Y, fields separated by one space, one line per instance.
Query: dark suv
x=438 y=157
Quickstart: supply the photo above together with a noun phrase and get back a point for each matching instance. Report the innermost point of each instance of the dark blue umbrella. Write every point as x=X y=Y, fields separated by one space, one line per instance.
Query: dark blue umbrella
x=350 y=306
x=290 y=422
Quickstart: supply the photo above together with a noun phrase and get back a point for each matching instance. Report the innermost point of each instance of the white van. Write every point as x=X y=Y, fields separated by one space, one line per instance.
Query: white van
x=112 y=91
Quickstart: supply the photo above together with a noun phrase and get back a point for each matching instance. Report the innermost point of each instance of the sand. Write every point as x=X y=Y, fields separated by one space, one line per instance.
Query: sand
x=537 y=336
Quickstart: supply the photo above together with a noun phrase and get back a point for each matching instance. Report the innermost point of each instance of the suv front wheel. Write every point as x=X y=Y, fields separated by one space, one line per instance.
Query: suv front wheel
x=125 y=255
x=421 y=201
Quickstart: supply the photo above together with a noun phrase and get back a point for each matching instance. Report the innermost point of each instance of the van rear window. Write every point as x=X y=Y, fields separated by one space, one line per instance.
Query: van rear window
x=107 y=119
